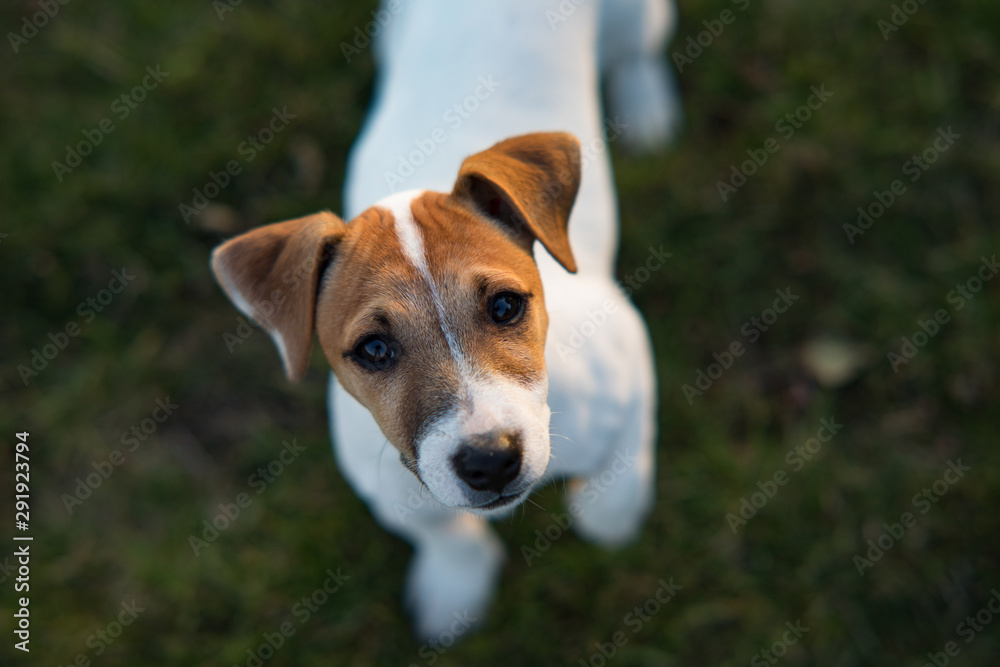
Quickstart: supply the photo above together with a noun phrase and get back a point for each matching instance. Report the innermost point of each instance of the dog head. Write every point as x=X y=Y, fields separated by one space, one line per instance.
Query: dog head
x=429 y=308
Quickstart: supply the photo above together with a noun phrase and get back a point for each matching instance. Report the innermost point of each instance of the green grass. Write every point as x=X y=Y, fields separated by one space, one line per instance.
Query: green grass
x=162 y=336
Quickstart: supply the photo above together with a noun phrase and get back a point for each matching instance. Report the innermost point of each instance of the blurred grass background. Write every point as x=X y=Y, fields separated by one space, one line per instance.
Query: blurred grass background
x=162 y=337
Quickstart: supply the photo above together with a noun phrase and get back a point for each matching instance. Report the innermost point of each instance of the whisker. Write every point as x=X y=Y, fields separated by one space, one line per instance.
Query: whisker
x=379 y=459
x=534 y=503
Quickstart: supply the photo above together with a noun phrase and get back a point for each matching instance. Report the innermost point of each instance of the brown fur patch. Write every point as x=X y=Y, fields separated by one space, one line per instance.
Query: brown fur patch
x=372 y=288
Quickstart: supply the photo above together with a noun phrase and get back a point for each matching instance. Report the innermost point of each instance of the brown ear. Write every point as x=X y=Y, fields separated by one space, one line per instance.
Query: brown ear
x=528 y=182
x=272 y=274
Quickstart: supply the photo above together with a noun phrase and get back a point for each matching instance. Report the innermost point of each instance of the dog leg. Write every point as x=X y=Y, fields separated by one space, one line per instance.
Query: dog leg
x=614 y=500
x=457 y=557
x=456 y=561
x=642 y=92
x=452 y=576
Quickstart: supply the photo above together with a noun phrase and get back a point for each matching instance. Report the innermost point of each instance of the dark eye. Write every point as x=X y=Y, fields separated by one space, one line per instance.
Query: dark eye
x=374 y=353
x=505 y=307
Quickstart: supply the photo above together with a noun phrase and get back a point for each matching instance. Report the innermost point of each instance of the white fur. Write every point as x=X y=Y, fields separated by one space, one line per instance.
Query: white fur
x=602 y=394
x=490 y=404
x=407 y=233
x=458 y=560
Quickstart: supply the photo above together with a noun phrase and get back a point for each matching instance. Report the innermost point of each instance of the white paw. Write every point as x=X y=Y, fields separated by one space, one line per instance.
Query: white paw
x=609 y=511
x=452 y=577
x=642 y=95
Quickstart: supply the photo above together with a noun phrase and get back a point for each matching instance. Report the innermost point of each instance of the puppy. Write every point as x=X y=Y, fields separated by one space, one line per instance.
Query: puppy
x=488 y=367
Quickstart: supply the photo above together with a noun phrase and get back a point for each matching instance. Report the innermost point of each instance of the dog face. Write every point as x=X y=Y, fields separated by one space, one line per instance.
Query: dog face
x=430 y=310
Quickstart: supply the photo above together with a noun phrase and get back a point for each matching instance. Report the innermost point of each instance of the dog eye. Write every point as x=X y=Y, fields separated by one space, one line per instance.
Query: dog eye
x=374 y=353
x=505 y=307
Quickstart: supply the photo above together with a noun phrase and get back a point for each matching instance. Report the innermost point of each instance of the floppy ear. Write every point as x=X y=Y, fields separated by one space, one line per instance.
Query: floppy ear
x=272 y=275
x=528 y=182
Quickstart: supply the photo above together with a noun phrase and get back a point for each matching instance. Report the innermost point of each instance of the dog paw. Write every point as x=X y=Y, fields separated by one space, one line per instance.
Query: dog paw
x=452 y=578
x=644 y=103
x=609 y=514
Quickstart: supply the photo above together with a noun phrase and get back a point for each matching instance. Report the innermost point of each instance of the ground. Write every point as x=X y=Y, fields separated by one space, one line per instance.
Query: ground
x=825 y=479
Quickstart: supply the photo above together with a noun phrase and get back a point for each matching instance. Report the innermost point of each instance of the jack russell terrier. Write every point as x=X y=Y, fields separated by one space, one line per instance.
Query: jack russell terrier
x=489 y=368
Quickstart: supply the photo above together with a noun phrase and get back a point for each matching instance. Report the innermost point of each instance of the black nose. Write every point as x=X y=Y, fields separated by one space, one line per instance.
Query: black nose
x=490 y=461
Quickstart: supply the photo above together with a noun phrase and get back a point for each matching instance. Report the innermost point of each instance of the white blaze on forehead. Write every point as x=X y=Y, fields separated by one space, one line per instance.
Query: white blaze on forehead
x=410 y=238
x=411 y=241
